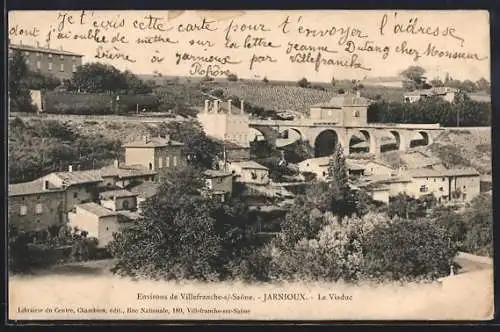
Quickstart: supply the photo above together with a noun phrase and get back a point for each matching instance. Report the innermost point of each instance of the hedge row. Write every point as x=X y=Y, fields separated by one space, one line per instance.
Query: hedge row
x=96 y=103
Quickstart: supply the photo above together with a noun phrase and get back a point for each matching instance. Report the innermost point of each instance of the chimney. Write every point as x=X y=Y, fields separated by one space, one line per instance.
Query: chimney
x=229 y=104
x=206 y=105
x=116 y=163
x=242 y=105
x=70 y=168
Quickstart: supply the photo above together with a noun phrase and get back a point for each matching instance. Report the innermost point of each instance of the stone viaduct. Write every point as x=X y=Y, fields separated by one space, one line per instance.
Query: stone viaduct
x=315 y=132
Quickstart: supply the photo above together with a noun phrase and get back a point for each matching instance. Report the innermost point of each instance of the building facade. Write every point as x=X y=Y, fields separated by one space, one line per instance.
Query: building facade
x=342 y=110
x=58 y=63
x=249 y=172
x=225 y=122
x=155 y=153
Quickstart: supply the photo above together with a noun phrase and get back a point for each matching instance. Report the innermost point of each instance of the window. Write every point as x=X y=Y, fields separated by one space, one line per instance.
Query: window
x=73 y=68
x=62 y=67
x=107 y=228
x=440 y=188
x=75 y=195
x=434 y=179
x=24 y=210
x=126 y=205
x=50 y=65
x=38 y=65
x=39 y=209
x=150 y=166
x=356 y=114
x=423 y=188
x=254 y=176
x=444 y=179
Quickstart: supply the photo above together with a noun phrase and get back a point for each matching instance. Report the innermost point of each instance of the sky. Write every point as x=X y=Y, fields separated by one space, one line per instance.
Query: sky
x=349 y=33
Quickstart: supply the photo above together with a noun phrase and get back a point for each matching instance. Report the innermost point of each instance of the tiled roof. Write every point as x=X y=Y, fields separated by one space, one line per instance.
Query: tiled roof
x=250 y=164
x=152 y=142
x=146 y=189
x=126 y=171
x=79 y=177
x=130 y=215
x=425 y=172
x=29 y=188
x=461 y=171
x=216 y=174
x=117 y=194
x=97 y=209
x=30 y=48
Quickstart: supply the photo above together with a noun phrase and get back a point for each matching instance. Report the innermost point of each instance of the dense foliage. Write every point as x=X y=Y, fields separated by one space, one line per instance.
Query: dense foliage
x=19 y=92
x=100 y=78
x=182 y=234
x=37 y=148
x=470 y=113
x=471 y=231
x=31 y=250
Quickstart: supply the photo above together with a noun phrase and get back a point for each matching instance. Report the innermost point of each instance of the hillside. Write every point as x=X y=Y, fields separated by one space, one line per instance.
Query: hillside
x=278 y=97
x=465 y=147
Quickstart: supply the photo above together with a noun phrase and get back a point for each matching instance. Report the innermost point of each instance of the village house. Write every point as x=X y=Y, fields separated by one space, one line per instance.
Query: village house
x=462 y=184
x=144 y=191
x=56 y=62
x=446 y=93
x=249 y=172
x=155 y=153
x=355 y=167
x=343 y=110
x=100 y=222
x=224 y=121
x=45 y=202
x=219 y=183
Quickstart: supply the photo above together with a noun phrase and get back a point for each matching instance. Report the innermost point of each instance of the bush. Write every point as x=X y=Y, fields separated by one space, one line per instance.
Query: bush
x=410 y=249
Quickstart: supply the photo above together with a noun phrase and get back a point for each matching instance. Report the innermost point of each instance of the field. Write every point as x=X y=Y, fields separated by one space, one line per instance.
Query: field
x=90 y=285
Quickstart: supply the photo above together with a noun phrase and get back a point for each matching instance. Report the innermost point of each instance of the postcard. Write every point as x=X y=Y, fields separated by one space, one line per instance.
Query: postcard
x=250 y=165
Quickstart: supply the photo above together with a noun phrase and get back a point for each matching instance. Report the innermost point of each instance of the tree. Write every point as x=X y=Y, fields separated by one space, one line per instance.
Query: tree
x=175 y=237
x=407 y=207
x=19 y=93
x=134 y=85
x=232 y=77
x=415 y=74
x=451 y=221
x=479 y=224
x=339 y=183
x=483 y=85
x=436 y=82
x=98 y=77
x=303 y=83
x=408 y=249
x=196 y=143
